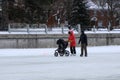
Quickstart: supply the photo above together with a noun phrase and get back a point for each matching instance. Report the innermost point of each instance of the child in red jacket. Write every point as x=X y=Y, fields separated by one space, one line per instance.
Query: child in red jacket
x=72 y=41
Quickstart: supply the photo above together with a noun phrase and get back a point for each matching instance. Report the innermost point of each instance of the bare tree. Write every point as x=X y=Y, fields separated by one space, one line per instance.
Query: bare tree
x=113 y=10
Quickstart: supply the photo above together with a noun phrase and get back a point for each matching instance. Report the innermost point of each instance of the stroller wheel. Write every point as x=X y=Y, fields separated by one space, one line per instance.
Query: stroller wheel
x=66 y=53
x=61 y=54
x=56 y=54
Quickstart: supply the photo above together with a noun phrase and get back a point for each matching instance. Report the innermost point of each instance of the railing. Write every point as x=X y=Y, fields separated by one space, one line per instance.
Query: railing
x=37 y=28
x=43 y=29
x=18 y=27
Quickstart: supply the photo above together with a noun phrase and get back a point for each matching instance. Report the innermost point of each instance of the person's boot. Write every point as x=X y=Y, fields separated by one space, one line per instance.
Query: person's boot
x=81 y=55
x=85 y=55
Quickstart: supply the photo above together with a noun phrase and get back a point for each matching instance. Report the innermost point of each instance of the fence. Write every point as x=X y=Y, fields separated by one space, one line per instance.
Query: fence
x=23 y=27
x=40 y=28
x=43 y=29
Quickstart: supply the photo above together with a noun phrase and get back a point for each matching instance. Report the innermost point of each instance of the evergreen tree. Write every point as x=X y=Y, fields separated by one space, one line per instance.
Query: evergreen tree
x=79 y=14
x=32 y=11
x=36 y=10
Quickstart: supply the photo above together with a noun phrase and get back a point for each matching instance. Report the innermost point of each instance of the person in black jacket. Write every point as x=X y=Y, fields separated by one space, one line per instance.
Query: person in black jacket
x=83 y=41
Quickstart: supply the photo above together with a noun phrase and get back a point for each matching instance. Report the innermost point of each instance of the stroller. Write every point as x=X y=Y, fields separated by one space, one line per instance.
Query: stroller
x=62 y=45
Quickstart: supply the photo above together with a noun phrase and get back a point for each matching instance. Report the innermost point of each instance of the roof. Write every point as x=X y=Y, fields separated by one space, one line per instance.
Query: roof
x=92 y=5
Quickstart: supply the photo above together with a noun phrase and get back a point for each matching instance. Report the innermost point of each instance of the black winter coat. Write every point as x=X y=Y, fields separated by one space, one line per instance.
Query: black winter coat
x=83 y=39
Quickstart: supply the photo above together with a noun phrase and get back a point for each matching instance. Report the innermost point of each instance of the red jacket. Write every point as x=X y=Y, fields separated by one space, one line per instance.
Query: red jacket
x=72 y=39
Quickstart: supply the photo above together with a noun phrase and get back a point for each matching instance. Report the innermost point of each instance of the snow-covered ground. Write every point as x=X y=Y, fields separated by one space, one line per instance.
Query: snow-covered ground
x=102 y=63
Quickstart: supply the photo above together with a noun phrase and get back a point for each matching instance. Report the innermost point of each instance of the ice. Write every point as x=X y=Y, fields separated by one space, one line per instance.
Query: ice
x=102 y=63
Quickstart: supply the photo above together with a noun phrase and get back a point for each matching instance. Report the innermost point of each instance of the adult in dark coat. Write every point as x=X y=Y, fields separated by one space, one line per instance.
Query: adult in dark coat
x=83 y=41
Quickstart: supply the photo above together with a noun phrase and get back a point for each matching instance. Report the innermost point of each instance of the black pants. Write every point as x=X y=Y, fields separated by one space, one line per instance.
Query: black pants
x=72 y=50
x=83 y=49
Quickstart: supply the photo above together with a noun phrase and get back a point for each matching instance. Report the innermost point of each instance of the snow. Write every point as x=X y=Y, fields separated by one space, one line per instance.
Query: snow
x=102 y=63
x=92 y=5
x=57 y=31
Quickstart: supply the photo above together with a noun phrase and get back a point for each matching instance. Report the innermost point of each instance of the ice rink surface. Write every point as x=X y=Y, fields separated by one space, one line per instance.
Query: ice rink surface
x=102 y=63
